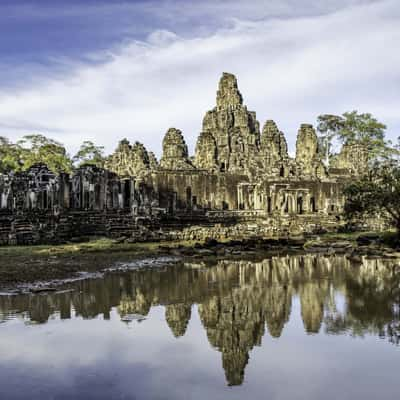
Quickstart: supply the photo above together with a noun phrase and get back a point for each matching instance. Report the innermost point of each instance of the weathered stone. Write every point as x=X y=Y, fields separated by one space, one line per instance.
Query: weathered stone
x=307 y=152
x=129 y=160
x=353 y=157
x=175 y=151
x=273 y=148
x=153 y=162
x=206 y=152
x=238 y=184
x=235 y=130
x=228 y=95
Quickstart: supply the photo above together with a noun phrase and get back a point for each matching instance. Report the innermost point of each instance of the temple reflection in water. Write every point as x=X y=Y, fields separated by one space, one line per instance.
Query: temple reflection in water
x=237 y=301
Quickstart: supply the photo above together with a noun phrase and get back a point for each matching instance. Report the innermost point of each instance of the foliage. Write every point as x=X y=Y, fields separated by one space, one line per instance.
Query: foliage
x=353 y=127
x=40 y=149
x=376 y=193
x=89 y=153
x=328 y=126
x=10 y=156
x=32 y=149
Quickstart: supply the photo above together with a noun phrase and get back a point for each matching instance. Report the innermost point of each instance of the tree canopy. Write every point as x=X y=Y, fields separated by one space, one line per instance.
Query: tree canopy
x=10 y=156
x=376 y=194
x=32 y=149
x=89 y=153
x=38 y=148
x=353 y=127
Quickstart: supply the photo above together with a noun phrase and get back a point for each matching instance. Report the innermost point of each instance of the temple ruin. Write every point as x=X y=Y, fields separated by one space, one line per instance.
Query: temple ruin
x=239 y=175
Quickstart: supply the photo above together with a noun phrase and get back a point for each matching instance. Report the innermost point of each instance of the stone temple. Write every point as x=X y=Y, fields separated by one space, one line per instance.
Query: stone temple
x=241 y=182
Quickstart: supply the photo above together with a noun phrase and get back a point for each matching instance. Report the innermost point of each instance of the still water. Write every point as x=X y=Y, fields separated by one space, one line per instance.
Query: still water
x=284 y=327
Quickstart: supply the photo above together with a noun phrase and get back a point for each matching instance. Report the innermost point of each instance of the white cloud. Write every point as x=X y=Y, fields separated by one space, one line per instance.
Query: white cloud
x=290 y=70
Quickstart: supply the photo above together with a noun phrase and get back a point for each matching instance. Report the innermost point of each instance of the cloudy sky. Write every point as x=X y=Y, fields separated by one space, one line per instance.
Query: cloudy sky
x=107 y=69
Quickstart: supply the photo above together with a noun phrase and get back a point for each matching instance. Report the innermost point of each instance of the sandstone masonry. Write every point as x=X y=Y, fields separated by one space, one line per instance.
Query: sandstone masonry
x=240 y=181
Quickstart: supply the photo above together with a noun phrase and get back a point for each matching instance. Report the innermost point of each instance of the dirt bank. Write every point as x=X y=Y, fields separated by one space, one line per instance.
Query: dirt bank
x=21 y=264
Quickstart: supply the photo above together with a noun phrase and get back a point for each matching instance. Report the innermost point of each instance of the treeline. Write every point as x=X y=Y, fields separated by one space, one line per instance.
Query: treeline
x=32 y=149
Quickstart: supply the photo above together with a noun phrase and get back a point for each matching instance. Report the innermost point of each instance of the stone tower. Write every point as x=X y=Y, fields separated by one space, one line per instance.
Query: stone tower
x=128 y=160
x=235 y=130
x=228 y=95
x=206 y=152
x=307 y=152
x=175 y=151
x=273 y=146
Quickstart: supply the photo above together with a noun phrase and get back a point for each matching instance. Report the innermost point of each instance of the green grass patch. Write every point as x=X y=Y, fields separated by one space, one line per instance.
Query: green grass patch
x=93 y=246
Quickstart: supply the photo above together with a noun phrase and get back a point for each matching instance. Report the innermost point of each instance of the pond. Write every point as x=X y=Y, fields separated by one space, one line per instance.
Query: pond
x=282 y=327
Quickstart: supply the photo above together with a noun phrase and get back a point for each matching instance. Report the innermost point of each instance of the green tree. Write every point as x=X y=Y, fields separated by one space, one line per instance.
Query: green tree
x=89 y=153
x=40 y=149
x=376 y=194
x=366 y=130
x=328 y=126
x=353 y=127
x=10 y=156
x=361 y=128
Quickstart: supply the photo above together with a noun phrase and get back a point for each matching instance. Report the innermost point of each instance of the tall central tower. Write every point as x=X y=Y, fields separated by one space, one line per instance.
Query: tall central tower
x=231 y=130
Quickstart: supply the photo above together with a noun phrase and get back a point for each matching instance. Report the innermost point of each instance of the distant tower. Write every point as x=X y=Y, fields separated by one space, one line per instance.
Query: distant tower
x=307 y=152
x=175 y=151
x=273 y=145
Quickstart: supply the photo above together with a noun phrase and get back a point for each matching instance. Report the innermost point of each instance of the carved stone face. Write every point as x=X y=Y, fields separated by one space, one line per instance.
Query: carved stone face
x=307 y=146
x=175 y=151
x=206 y=151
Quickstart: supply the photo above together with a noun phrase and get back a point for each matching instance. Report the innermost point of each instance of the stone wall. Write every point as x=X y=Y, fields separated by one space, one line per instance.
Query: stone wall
x=236 y=174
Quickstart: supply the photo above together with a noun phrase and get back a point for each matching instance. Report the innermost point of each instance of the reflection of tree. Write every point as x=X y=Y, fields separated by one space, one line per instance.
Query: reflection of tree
x=238 y=299
x=393 y=331
x=373 y=299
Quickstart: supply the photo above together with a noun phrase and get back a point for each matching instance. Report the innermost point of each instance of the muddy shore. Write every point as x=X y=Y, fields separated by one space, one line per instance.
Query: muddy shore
x=19 y=265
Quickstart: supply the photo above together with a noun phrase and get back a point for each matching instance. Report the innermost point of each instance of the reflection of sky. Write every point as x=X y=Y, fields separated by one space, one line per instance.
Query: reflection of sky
x=85 y=359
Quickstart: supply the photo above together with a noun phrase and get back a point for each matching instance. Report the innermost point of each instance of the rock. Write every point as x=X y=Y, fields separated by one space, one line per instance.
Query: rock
x=42 y=289
x=210 y=242
x=188 y=251
x=367 y=239
x=296 y=241
x=341 y=244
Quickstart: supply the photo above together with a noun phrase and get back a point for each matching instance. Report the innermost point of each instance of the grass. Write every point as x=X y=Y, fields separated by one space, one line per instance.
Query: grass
x=29 y=263
x=93 y=246
x=46 y=262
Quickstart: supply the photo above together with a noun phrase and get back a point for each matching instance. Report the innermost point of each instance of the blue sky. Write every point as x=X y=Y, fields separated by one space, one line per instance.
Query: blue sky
x=105 y=70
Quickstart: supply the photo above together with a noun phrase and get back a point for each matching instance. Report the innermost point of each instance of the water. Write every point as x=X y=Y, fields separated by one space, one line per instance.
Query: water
x=286 y=327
